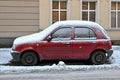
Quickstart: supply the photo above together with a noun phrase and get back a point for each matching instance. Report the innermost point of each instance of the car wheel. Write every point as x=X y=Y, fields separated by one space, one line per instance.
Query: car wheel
x=29 y=59
x=98 y=57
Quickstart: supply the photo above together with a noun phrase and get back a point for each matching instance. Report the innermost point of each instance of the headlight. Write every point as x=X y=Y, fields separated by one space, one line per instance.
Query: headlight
x=14 y=46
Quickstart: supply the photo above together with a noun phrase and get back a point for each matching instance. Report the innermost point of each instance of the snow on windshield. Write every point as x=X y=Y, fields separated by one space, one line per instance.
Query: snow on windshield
x=34 y=37
x=41 y=35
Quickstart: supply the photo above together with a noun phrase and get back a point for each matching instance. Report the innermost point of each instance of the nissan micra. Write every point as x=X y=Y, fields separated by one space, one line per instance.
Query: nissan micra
x=64 y=40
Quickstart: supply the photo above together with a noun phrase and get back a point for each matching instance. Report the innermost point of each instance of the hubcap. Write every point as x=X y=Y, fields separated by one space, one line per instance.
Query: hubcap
x=99 y=58
x=29 y=59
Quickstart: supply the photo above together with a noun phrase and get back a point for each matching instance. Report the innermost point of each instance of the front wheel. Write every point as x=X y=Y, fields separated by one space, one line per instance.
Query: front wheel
x=29 y=59
x=98 y=57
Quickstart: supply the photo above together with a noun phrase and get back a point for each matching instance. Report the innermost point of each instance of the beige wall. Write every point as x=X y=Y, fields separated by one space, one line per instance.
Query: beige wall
x=74 y=9
x=114 y=34
x=104 y=14
x=18 y=17
x=21 y=17
x=44 y=13
x=105 y=20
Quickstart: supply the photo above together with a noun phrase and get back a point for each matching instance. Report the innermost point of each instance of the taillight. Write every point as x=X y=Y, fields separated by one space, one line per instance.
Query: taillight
x=109 y=44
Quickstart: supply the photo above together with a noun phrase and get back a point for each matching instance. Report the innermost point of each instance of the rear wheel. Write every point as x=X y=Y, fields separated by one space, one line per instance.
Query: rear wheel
x=98 y=57
x=29 y=59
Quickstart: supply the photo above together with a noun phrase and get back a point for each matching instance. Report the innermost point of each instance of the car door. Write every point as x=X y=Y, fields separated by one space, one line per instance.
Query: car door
x=83 y=43
x=59 y=47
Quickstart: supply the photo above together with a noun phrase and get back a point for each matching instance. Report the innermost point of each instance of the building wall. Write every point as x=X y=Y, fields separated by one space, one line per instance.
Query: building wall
x=74 y=9
x=18 y=17
x=45 y=13
x=22 y=17
x=74 y=12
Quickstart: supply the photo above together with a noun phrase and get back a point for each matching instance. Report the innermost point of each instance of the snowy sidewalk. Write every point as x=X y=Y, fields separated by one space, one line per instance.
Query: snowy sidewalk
x=5 y=57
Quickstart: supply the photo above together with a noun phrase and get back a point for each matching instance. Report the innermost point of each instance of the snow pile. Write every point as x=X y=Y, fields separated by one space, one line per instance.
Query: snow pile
x=5 y=55
x=60 y=66
x=115 y=58
x=54 y=67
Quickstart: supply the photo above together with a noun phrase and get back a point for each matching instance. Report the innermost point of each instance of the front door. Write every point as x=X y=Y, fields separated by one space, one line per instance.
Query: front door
x=60 y=45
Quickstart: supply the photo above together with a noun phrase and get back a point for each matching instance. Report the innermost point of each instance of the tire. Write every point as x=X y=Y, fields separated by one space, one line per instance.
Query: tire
x=98 y=57
x=29 y=59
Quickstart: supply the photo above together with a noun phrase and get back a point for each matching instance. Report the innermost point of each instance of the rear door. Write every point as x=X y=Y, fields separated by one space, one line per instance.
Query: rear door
x=83 y=43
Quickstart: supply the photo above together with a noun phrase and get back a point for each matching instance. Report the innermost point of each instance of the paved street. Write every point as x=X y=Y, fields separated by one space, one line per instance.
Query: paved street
x=65 y=75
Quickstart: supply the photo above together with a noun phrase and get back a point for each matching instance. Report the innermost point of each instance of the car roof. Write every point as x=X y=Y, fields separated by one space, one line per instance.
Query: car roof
x=77 y=23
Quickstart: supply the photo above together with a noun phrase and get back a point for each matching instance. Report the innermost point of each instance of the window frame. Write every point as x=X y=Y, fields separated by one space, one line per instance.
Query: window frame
x=59 y=10
x=61 y=38
x=88 y=10
x=86 y=38
x=116 y=13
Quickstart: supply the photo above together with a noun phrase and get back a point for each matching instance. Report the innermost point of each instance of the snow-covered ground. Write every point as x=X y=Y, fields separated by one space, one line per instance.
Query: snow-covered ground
x=5 y=57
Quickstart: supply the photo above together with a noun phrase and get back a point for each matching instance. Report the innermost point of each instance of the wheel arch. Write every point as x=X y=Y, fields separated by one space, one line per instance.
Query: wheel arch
x=38 y=56
x=96 y=51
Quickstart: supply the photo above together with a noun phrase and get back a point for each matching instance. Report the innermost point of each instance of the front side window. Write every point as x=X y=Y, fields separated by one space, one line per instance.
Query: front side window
x=115 y=15
x=84 y=33
x=89 y=11
x=62 y=34
x=59 y=10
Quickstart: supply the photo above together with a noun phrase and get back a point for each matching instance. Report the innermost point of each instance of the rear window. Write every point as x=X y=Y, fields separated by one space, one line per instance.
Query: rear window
x=84 y=33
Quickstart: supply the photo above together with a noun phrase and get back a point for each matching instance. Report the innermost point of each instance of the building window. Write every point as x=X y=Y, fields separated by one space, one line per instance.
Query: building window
x=115 y=15
x=59 y=10
x=89 y=11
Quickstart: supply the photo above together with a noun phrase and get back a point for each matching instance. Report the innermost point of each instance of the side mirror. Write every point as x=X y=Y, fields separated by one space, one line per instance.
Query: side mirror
x=49 y=38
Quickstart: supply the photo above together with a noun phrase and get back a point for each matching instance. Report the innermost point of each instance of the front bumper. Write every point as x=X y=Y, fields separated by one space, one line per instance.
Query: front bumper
x=16 y=56
x=109 y=52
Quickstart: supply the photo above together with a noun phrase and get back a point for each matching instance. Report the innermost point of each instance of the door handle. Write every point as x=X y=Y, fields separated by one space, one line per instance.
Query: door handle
x=67 y=43
x=94 y=42
x=80 y=47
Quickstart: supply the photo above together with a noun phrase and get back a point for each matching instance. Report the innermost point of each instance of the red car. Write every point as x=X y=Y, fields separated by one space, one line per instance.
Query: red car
x=64 y=40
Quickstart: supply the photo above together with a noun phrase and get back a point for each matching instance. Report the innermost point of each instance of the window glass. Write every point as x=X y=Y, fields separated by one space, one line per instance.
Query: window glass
x=62 y=34
x=113 y=19
x=92 y=5
x=63 y=5
x=118 y=19
x=85 y=5
x=92 y=16
x=92 y=34
x=84 y=33
x=85 y=16
x=113 y=6
x=119 y=6
x=55 y=16
x=63 y=15
x=81 y=33
x=55 y=5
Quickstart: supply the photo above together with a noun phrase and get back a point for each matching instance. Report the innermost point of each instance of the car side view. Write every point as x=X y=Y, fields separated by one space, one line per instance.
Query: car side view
x=64 y=40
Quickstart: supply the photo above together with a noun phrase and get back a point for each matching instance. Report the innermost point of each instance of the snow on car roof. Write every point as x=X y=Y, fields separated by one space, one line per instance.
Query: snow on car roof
x=76 y=23
x=41 y=35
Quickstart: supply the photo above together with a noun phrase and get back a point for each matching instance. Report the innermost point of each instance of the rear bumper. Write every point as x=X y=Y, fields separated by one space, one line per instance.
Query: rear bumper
x=109 y=52
x=16 y=56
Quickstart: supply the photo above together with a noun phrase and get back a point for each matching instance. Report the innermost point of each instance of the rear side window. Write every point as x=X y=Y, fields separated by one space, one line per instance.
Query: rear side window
x=62 y=34
x=84 y=33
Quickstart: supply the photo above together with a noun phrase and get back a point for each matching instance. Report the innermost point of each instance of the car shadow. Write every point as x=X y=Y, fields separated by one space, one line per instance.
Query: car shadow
x=49 y=63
